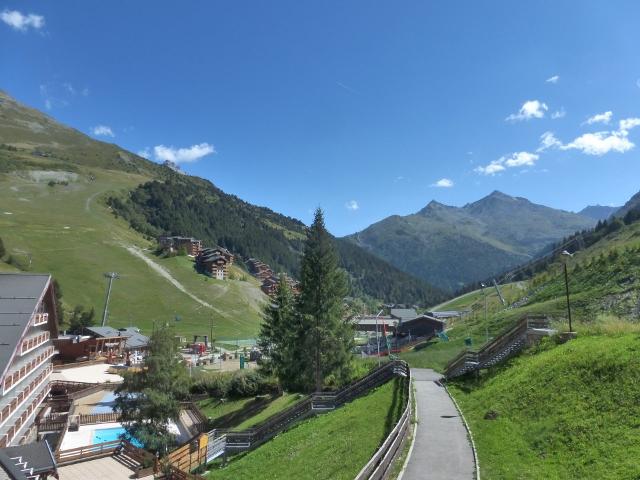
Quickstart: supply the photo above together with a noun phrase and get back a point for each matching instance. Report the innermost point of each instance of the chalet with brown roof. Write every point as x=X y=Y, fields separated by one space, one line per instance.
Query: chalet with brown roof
x=216 y=266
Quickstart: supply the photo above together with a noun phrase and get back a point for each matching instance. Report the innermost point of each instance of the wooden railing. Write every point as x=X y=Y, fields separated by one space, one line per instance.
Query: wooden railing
x=72 y=455
x=379 y=465
x=503 y=345
x=94 y=418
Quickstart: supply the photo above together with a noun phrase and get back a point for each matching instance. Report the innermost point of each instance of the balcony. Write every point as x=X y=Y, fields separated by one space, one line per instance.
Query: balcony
x=30 y=344
x=40 y=319
x=19 y=373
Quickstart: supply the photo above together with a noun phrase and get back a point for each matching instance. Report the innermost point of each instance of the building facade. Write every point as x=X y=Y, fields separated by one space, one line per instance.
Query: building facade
x=28 y=324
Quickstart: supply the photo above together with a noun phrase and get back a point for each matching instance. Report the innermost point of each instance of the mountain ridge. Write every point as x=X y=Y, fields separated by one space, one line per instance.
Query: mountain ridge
x=450 y=246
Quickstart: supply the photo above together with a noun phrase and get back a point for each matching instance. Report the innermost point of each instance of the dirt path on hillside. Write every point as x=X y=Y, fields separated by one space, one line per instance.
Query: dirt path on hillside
x=87 y=203
x=163 y=272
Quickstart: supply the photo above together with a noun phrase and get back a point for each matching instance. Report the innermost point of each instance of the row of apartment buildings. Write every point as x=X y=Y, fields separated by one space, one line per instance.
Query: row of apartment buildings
x=263 y=272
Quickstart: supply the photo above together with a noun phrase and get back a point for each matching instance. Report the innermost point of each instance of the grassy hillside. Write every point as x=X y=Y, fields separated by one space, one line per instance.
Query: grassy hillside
x=564 y=412
x=184 y=204
x=450 y=246
x=604 y=281
x=69 y=231
x=332 y=446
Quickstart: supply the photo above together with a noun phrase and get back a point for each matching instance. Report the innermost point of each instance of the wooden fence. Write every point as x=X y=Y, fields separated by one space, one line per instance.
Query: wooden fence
x=379 y=465
x=72 y=455
x=94 y=418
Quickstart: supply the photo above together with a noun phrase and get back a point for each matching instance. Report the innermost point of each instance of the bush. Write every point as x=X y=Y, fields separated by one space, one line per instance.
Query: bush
x=240 y=384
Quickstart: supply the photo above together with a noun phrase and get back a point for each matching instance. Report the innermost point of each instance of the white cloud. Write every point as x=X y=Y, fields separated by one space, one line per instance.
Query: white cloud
x=548 y=140
x=628 y=123
x=558 y=114
x=604 y=117
x=516 y=159
x=20 y=21
x=519 y=159
x=443 y=183
x=530 y=109
x=183 y=155
x=491 y=169
x=47 y=104
x=352 y=205
x=596 y=143
x=103 y=131
x=600 y=143
x=553 y=79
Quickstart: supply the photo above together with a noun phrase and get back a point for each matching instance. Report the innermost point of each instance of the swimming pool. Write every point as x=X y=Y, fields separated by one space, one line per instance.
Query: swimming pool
x=101 y=435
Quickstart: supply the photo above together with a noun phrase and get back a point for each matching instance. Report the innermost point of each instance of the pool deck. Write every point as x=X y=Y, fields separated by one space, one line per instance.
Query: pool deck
x=89 y=374
x=107 y=468
x=99 y=402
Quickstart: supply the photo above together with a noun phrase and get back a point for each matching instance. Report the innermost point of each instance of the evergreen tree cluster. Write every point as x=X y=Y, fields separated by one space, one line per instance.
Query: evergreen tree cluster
x=184 y=205
x=307 y=340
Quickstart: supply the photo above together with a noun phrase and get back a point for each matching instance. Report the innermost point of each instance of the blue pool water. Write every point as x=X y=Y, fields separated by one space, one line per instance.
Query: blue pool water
x=110 y=434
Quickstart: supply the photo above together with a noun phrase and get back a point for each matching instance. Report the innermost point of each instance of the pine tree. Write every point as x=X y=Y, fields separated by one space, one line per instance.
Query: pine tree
x=150 y=398
x=326 y=337
x=276 y=336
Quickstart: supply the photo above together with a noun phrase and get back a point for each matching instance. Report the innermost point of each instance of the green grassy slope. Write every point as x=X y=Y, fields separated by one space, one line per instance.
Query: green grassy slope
x=69 y=231
x=332 y=446
x=604 y=282
x=569 y=412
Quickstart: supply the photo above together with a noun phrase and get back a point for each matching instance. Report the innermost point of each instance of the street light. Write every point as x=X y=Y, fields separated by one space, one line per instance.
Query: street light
x=486 y=325
x=566 y=285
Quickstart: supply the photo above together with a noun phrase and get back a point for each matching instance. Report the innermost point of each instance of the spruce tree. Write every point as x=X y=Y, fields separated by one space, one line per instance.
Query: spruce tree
x=276 y=338
x=149 y=399
x=325 y=337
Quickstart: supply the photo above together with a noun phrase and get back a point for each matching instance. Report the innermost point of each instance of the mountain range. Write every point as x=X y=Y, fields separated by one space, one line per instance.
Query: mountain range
x=598 y=212
x=451 y=246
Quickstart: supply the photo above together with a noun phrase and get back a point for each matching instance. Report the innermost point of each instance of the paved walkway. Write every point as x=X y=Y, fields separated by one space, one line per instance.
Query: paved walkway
x=441 y=450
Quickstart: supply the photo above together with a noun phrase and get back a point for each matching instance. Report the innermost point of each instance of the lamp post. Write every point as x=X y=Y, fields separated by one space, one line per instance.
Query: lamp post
x=378 y=336
x=566 y=285
x=486 y=325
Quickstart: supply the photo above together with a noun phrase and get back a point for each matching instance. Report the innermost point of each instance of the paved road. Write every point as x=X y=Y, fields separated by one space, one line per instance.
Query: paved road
x=441 y=450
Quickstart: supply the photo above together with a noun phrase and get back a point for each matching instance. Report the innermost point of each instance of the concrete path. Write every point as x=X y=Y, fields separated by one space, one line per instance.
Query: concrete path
x=441 y=450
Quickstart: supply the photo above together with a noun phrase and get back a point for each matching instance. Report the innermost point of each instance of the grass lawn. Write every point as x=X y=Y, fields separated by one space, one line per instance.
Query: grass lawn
x=67 y=230
x=276 y=406
x=332 y=446
x=564 y=412
x=213 y=408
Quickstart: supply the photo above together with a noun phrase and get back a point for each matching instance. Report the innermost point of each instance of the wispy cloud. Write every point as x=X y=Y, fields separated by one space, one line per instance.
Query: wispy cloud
x=558 y=114
x=516 y=159
x=183 y=155
x=530 y=109
x=22 y=22
x=145 y=153
x=604 y=117
x=547 y=141
x=443 y=183
x=102 y=131
x=553 y=79
x=352 y=205
x=347 y=88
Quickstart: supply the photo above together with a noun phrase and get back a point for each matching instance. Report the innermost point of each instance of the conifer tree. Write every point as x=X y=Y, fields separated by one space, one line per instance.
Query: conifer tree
x=147 y=400
x=276 y=338
x=325 y=337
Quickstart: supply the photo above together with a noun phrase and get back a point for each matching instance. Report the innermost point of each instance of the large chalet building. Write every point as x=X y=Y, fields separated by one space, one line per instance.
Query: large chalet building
x=191 y=245
x=28 y=324
x=215 y=262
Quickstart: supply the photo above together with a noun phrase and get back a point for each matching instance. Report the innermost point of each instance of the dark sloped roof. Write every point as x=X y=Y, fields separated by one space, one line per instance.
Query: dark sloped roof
x=134 y=339
x=404 y=313
x=19 y=296
x=37 y=456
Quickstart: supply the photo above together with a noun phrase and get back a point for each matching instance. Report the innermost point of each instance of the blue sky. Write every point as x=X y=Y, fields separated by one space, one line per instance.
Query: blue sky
x=366 y=108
